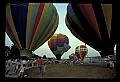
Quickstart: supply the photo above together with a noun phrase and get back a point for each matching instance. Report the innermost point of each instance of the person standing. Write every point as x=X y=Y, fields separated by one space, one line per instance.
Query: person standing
x=17 y=66
x=22 y=69
x=39 y=62
x=111 y=64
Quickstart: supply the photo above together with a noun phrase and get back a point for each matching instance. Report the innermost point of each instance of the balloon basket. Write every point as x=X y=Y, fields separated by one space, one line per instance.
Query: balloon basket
x=26 y=53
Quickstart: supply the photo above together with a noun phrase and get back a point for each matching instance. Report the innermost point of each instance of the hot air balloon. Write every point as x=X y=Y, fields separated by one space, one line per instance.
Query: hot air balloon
x=59 y=44
x=81 y=51
x=92 y=24
x=29 y=25
x=72 y=56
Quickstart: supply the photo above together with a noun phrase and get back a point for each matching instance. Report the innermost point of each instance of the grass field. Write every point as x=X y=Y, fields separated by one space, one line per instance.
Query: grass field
x=86 y=70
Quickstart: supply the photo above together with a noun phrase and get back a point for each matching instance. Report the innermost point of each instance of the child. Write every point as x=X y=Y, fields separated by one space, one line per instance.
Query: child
x=44 y=69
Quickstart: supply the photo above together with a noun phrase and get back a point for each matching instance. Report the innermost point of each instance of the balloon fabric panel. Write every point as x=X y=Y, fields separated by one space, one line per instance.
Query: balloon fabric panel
x=10 y=25
x=88 y=12
x=72 y=17
x=73 y=31
x=89 y=34
x=20 y=24
x=72 y=21
x=11 y=35
x=83 y=51
x=31 y=17
x=107 y=46
x=50 y=28
x=54 y=44
x=107 y=10
x=37 y=25
x=60 y=40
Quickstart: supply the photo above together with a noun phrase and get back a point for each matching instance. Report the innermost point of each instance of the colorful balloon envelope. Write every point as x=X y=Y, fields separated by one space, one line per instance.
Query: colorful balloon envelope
x=59 y=44
x=29 y=25
x=81 y=51
x=73 y=56
x=92 y=24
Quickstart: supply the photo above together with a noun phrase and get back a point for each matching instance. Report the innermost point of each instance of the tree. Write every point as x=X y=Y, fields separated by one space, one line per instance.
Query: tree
x=15 y=53
x=35 y=56
x=7 y=52
x=44 y=57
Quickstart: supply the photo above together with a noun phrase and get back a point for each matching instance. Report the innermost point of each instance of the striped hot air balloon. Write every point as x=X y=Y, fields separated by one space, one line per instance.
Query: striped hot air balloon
x=29 y=25
x=92 y=24
x=59 y=44
x=81 y=51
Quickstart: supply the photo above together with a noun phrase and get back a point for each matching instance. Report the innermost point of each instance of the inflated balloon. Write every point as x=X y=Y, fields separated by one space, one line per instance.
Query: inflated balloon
x=59 y=44
x=92 y=24
x=73 y=56
x=81 y=52
x=29 y=25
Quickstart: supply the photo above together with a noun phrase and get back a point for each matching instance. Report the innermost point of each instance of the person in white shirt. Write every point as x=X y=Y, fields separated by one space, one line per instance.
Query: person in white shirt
x=22 y=69
x=111 y=63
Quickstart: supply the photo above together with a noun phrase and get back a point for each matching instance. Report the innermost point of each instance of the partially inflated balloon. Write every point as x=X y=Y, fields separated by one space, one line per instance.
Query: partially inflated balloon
x=59 y=44
x=81 y=51
x=73 y=56
x=29 y=25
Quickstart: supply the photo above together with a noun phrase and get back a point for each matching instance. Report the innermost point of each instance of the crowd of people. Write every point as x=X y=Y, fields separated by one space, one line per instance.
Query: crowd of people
x=17 y=67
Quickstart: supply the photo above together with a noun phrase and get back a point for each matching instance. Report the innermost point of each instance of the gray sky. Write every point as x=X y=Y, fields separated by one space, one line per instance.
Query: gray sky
x=62 y=28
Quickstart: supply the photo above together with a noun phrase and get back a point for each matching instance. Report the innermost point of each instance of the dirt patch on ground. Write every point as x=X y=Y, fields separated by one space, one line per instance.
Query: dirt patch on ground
x=86 y=70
